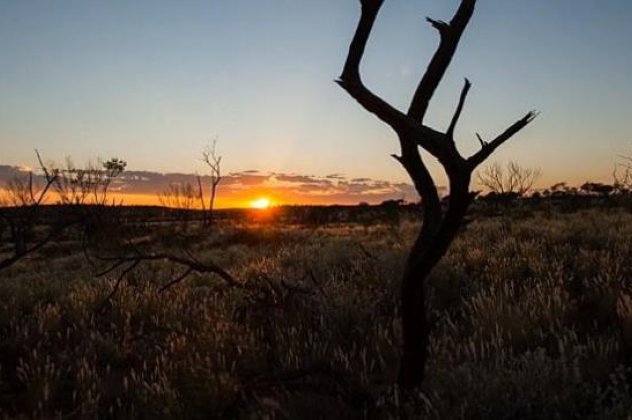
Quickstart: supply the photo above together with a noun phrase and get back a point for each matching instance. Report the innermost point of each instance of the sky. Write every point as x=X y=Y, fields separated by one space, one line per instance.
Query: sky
x=154 y=81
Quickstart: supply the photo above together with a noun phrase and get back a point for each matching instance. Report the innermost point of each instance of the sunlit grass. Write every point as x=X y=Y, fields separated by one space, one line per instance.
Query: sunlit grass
x=531 y=319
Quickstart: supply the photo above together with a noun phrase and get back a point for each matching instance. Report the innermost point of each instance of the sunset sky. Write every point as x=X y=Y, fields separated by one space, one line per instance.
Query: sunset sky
x=154 y=81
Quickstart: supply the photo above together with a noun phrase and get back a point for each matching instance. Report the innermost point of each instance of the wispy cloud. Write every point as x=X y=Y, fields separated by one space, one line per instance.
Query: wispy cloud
x=236 y=187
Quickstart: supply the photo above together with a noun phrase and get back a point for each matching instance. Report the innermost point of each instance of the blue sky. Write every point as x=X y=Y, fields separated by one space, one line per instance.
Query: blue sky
x=154 y=81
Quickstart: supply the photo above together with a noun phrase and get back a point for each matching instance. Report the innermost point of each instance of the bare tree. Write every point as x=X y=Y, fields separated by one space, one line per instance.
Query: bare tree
x=213 y=161
x=178 y=196
x=440 y=225
x=182 y=197
x=21 y=192
x=622 y=175
x=21 y=206
x=509 y=179
x=19 y=214
x=87 y=185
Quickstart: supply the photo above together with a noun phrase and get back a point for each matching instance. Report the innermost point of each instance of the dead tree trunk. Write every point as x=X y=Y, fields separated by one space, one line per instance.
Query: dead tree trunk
x=213 y=161
x=440 y=225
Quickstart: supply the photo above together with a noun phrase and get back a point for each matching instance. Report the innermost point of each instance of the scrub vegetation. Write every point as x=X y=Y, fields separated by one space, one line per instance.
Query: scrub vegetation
x=531 y=318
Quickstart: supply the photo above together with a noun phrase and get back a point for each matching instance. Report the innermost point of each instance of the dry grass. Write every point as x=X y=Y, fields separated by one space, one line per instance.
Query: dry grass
x=532 y=319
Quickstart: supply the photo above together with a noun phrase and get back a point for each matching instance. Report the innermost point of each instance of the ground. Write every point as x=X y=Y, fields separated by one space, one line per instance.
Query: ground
x=531 y=315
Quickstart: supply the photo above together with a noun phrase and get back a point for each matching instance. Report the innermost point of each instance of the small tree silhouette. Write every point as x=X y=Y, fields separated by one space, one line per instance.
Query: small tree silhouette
x=511 y=179
x=440 y=225
x=213 y=161
x=19 y=211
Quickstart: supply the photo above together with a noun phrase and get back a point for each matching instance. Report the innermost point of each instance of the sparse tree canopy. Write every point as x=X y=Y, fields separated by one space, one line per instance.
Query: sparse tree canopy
x=82 y=185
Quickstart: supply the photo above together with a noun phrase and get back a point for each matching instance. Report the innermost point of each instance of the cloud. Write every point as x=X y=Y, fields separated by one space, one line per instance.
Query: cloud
x=9 y=172
x=295 y=178
x=240 y=187
x=245 y=179
x=302 y=179
x=12 y=171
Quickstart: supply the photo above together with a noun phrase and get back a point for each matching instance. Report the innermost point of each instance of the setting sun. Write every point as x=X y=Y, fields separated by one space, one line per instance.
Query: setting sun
x=261 y=203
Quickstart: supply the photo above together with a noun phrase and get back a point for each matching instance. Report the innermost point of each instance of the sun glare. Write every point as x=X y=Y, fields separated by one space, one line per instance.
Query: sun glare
x=261 y=203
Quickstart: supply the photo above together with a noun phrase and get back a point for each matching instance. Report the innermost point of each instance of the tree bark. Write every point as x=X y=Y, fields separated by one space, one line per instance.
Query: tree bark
x=431 y=245
x=415 y=328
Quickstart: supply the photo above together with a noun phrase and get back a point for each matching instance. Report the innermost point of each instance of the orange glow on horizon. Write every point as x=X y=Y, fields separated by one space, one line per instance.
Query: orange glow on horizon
x=261 y=203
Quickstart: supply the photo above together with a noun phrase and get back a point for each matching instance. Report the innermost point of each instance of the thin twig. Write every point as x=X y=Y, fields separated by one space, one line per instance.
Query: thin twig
x=117 y=285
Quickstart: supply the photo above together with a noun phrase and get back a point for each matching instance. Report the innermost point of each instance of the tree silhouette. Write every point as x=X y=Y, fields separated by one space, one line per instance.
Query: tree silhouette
x=213 y=162
x=597 y=188
x=511 y=179
x=440 y=225
x=83 y=191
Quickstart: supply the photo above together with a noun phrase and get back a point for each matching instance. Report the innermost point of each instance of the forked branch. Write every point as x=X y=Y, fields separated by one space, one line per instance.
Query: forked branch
x=450 y=37
x=351 y=81
x=488 y=148
x=459 y=110
x=192 y=265
x=132 y=261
